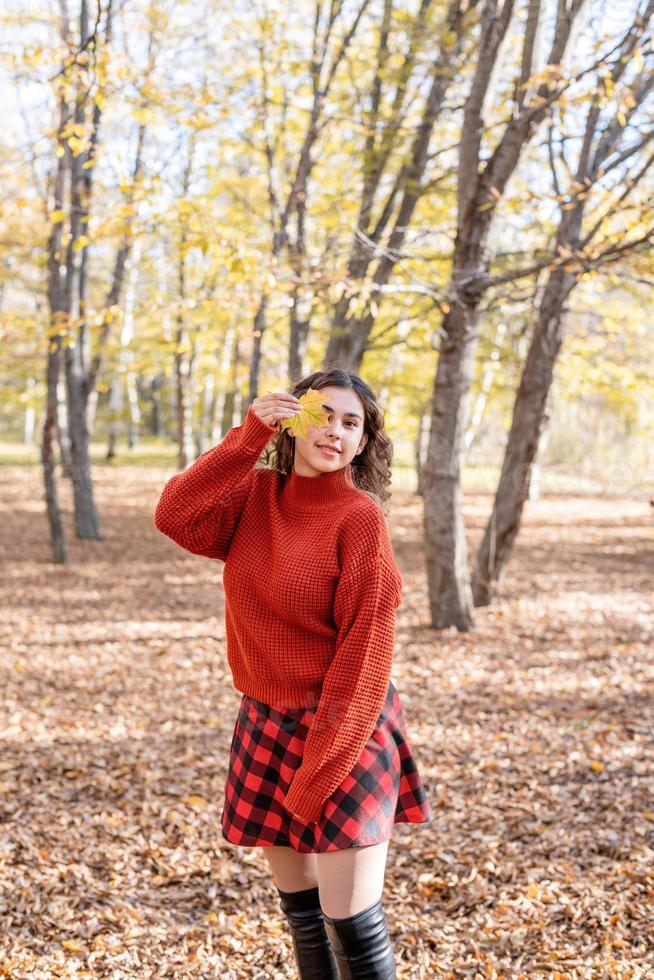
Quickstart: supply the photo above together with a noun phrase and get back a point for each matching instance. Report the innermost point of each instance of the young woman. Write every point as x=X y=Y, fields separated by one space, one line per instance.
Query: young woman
x=320 y=764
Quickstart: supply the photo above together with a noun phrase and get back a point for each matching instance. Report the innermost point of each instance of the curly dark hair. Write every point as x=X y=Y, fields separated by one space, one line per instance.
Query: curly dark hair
x=371 y=468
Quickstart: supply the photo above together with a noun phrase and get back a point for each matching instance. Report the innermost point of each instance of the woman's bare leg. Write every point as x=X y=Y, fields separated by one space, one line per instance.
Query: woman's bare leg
x=291 y=871
x=352 y=879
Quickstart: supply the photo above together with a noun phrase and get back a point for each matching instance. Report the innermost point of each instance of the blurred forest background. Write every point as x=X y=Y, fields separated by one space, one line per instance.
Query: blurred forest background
x=203 y=202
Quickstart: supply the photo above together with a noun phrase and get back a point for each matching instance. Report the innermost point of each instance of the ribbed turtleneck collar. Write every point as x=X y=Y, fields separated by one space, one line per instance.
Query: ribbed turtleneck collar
x=325 y=490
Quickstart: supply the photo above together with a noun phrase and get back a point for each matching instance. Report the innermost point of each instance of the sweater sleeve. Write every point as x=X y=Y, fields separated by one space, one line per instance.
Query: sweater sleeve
x=356 y=682
x=200 y=507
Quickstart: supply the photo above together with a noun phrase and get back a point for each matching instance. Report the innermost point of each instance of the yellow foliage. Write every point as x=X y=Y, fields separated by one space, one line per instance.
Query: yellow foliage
x=143 y=114
x=193 y=800
x=73 y=129
x=312 y=413
x=200 y=121
x=72 y=946
x=77 y=145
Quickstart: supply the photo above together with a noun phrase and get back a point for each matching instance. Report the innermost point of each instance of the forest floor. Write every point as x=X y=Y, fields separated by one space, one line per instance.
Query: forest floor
x=533 y=735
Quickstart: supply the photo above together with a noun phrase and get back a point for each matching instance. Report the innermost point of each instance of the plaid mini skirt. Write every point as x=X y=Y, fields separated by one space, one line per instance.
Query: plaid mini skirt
x=383 y=788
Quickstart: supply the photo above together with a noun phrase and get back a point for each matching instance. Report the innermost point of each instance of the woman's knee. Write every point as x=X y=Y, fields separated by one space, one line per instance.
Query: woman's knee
x=291 y=871
x=351 y=880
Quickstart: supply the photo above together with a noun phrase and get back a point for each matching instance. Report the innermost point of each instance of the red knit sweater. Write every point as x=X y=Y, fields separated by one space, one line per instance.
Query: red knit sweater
x=311 y=588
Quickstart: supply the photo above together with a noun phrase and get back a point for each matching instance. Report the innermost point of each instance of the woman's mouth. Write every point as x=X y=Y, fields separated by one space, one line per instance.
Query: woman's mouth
x=327 y=451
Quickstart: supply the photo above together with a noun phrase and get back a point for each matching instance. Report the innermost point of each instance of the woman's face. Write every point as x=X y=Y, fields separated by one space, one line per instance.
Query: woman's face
x=344 y=431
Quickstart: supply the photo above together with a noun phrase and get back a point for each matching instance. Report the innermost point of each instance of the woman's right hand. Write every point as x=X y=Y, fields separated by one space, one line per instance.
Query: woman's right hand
x=271 y=408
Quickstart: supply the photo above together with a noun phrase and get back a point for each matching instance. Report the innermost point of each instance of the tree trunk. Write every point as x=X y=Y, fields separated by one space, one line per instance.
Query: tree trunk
x=124 y=374
x=91 y=411
x=76 y=350
x=204 y=425
x=419 y=453
x=299 y=331
x=481 y=183
x=183 y=401
x=87 y=521
x=522 y=446
x=63 y=437
x=211 y=405
x=230 y=399
x=57 y=535
x=156 y=419
x=601 y=139
x=450 y=596
x=257 y=336
x=58 y=324
x=133 y=404
x=228 y=412
x=115 y=414
x=29 y=422
x=215 y=421
x=217 y=409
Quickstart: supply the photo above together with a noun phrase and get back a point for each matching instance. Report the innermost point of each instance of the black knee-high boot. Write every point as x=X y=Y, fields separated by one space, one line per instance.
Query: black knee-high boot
x=362 y=945
x=313 y=954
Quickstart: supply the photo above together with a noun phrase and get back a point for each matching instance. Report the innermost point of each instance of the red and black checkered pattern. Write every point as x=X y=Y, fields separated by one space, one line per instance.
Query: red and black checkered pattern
x=382 y=789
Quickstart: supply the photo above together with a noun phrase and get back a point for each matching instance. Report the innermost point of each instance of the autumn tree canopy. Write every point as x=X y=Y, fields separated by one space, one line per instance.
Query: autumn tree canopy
x=200 y=203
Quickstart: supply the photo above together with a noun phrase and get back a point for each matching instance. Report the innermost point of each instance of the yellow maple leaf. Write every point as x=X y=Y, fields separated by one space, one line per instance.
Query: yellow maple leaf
x=312 y=413
x=81 y=243
x=193 y=800
x=72 y=946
